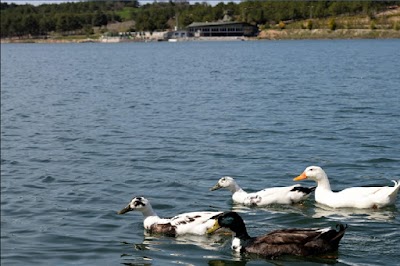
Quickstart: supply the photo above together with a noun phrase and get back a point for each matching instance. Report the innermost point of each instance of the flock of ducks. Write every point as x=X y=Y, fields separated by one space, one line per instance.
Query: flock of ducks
x=293 y=241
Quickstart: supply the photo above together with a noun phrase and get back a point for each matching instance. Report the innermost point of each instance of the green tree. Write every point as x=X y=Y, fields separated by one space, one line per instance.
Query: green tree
x=88 y=30
x=5 y=25
x=99 y=19
x=309 y=24
x=62 y=23
x=86 y=19
x=372 y=25
x=17 y=26
x=46 y=25
x=74 y=22
x=144 y=22
x=30 y=24
x=332 y=24
x=396 y=25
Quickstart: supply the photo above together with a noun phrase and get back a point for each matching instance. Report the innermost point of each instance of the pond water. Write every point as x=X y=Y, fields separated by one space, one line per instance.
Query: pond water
x=85 y=127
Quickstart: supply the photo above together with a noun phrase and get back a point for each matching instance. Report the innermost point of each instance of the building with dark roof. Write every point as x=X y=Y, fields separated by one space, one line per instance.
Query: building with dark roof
x=221 y=29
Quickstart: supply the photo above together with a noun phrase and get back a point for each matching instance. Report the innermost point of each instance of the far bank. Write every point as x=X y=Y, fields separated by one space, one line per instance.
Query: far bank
x=304 y=34
x=271 y=34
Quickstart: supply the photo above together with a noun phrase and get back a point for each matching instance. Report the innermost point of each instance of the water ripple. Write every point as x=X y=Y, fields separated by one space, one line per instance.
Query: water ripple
x=81 y=138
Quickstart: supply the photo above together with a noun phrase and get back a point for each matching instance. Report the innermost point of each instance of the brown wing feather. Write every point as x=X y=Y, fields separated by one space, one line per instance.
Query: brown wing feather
x=165 y=229
x=295 y=242
x=288 y=236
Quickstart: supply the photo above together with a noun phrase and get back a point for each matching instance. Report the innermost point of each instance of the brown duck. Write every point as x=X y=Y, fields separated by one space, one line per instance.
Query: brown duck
x=299 y=242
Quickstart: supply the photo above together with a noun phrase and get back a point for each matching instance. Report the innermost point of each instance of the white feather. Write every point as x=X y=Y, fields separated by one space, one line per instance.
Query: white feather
x=236 y=245
x=196 y=223
x=354 y=197
x=267 y=196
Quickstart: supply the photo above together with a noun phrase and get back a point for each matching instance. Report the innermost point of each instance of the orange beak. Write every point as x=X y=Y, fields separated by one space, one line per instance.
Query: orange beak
x=300 y=177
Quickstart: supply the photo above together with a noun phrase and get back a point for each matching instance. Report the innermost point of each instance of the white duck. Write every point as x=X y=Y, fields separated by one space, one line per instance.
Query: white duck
x=196 y=223
x=355 y=197
x=267 y=196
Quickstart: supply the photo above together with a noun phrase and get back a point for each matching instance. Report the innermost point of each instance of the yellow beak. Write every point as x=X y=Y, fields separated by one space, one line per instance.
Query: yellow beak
x=300 y=177
x=215 y=227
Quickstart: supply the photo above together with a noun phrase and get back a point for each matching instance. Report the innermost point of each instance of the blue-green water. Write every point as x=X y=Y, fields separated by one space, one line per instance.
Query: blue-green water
x=85 y=127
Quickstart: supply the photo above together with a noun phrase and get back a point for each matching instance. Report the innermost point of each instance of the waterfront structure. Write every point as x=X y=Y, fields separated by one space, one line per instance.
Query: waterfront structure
x=177 y=35
x=222 y=29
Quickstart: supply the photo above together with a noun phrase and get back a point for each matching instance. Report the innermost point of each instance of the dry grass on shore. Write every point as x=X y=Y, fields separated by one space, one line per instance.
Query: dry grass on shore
x=299 y=34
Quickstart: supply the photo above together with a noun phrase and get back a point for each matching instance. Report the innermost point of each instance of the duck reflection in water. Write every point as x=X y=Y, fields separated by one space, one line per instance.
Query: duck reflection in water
x=386 y=214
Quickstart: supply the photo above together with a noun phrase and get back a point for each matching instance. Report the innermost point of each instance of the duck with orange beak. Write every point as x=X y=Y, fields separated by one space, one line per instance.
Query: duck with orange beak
x=354 y=197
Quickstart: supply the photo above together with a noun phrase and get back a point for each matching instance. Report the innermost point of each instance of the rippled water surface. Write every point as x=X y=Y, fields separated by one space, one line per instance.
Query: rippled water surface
x=85 y=127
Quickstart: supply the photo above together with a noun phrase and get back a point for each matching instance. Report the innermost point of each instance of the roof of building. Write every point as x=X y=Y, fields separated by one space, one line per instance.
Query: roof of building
x=219 y=23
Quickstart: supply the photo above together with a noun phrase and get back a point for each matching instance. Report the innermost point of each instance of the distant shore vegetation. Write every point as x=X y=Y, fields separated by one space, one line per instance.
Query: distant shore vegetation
x=88 y=18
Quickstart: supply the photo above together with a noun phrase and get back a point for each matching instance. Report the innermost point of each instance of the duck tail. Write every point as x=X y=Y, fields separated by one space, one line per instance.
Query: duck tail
x=396 y=184
x=396 y=188
x=340 y=233
x=330 y=237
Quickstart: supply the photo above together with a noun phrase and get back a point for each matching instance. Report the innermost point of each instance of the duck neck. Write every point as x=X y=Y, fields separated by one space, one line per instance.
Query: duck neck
x=242 y=235
x=323 y=183
x=150 y=217
x=234 y=187
x=149 y=212
x=240 y=231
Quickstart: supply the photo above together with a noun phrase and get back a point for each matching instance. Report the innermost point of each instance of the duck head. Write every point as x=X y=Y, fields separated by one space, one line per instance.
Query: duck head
x=312 y=172
x=224 y=182
x=136 y=204
x=230 y=220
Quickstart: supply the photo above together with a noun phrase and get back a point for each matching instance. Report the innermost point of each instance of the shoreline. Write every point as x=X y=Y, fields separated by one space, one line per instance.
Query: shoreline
x=326 y=34
x=272 y=34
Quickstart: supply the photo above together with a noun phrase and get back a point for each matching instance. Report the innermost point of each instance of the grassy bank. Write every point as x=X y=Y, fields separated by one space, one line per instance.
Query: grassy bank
x=301 y=34
x=382 y=25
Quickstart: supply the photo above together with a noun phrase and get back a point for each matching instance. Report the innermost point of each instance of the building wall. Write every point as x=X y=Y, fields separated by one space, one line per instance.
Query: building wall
x=222 y=30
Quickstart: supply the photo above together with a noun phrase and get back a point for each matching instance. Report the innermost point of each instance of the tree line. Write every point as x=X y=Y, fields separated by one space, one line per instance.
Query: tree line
x=81 y=17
